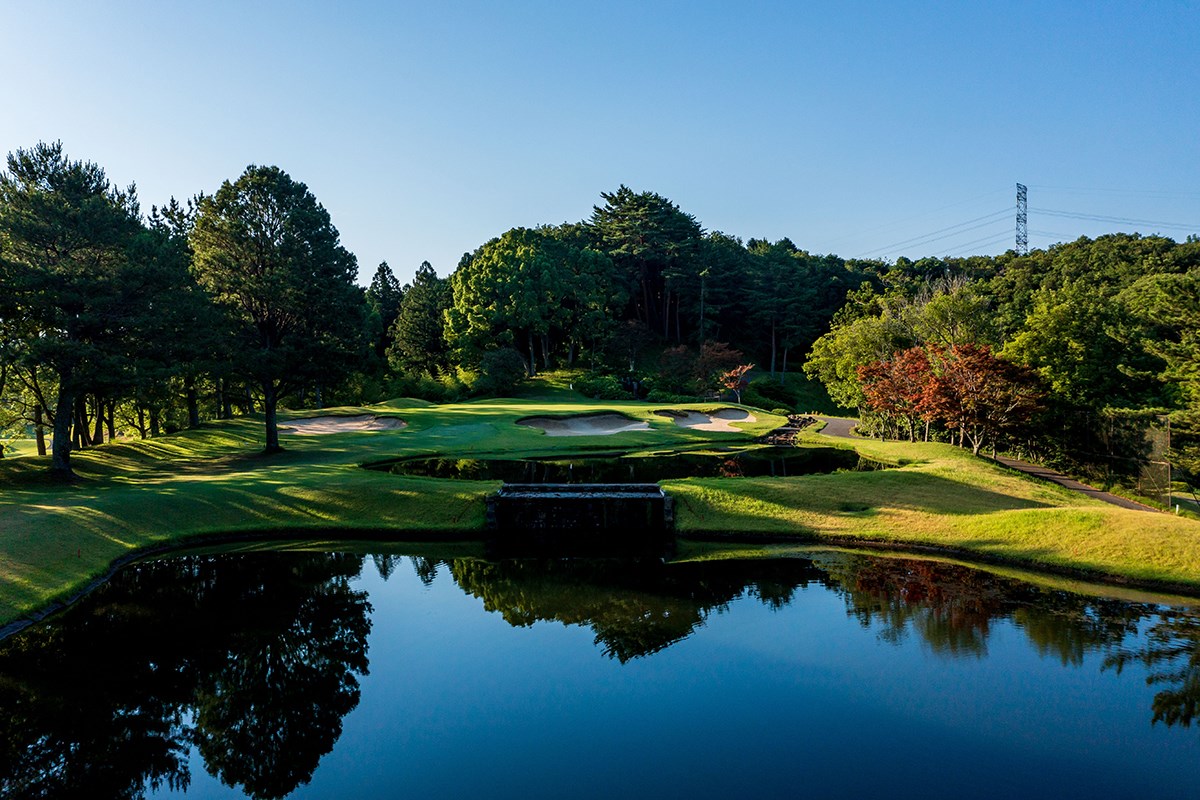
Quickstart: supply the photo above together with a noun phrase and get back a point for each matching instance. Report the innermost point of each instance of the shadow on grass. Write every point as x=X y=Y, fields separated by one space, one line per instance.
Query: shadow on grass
x=860 y=493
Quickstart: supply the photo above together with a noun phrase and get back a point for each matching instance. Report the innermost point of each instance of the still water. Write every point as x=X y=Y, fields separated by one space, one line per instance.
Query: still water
x=319 y=675
x=777 y=462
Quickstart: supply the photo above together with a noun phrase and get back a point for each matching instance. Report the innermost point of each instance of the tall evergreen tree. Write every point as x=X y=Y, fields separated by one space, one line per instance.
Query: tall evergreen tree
x=384 y=296
x=654 y=243
x=418 y=337
x=267 y=251
x=69 y=295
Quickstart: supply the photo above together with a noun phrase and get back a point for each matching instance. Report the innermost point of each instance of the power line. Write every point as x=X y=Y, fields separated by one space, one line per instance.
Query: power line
x=995 y=239
x=1053 y=235
x=904 y=220
x=1117 y=220
x=933 y=236
x=1147 y=192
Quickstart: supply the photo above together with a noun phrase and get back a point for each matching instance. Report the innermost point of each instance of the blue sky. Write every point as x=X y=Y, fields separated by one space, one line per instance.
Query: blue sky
x=428 y=128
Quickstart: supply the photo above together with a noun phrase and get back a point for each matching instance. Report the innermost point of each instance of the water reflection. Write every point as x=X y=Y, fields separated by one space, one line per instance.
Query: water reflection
x=635 y=608
x=1172 y=657
x=778 y=462
x=254 y=660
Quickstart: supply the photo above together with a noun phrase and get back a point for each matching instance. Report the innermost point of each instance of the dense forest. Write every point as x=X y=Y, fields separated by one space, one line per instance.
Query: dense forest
x=115 y=322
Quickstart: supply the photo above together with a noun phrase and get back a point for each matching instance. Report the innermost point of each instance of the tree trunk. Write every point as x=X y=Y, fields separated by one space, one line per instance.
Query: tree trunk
x=60 y=445
x=783 y=370
x=193 y=401
x=81 y=427
x=224 y=404
x=645 y=302
x=270 y=402
x=320 y=401
x=141 y=422
x=532 y=356
x=666 y=315
x=545 y=352
x=154 y=428
x=772 y=348
x=112 y=420
x=39 y=430
x=98 y=435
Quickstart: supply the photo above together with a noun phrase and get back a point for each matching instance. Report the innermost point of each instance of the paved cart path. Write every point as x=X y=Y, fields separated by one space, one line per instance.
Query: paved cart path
x=842 y=428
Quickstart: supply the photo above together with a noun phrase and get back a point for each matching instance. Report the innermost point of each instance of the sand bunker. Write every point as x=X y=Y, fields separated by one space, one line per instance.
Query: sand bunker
x=316 y=426
x=716 y=421
x=591 y=425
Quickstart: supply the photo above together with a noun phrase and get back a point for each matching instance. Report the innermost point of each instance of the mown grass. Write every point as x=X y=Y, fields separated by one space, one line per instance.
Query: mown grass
x=136 y=494
x=16 y=448
x=945 y=497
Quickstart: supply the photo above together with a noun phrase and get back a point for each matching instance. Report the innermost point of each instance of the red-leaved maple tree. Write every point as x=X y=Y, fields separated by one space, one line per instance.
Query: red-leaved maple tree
x=735 y=379
x=977 y=395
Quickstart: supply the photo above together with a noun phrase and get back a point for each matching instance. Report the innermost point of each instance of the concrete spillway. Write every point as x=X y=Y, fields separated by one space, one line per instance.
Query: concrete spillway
x=581 y=519
x=615 y=507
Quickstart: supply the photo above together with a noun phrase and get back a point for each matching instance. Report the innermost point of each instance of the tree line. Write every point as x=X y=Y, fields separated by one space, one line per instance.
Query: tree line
x=114 y=321
x=1070 y=353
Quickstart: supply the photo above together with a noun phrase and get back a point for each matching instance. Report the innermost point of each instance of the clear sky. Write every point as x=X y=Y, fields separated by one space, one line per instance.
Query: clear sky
x=427 y=128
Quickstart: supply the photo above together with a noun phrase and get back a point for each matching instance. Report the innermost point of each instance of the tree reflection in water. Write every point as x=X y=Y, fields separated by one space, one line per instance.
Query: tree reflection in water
x=1172 y=656
x=638 y=608
x=635 y=607
x=254 y=660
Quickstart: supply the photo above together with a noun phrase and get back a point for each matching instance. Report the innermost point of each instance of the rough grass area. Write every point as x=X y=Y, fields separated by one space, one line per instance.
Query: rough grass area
x=944 y=497
x=136 y=494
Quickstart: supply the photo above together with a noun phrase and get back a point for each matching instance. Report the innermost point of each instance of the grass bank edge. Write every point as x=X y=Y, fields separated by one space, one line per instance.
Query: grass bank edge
x=140 y=495
x=941 y=497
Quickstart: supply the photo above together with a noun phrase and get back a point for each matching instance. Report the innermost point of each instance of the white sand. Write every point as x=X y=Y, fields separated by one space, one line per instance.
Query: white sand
x=590 y=425
x=317 y=426
x=716 y=421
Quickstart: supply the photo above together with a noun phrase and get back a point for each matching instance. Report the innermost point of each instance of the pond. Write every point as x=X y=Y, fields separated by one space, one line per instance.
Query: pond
x=761 y=462
x=333 y=675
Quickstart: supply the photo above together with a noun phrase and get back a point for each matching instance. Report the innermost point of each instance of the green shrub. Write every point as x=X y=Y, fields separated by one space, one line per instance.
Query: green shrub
x=660 y=396
x=601 y=387
x=500 y=371
x=779 y=394
x=424 y=387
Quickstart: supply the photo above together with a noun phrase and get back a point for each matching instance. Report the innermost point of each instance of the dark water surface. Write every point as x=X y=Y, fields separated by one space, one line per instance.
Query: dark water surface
x=757 y=463
x=316 y=675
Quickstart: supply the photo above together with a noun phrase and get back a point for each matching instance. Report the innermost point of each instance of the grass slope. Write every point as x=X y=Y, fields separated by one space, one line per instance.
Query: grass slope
x=943 y=496
x=132 y=495
x=15 y=448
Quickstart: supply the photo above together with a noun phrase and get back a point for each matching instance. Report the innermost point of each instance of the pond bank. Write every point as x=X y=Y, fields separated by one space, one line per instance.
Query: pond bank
x=136 y=496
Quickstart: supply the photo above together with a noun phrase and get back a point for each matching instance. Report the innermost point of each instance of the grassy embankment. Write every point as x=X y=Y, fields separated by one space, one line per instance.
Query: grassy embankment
x=944 y=497
x=54 y=539
x=139 y=494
